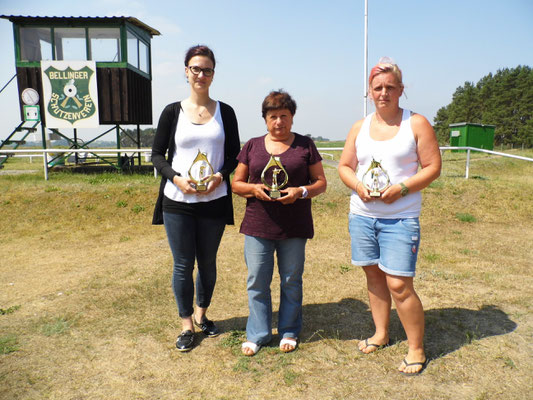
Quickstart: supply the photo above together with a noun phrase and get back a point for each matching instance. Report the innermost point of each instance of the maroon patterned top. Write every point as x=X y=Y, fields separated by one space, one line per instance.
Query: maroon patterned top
x=273 y=220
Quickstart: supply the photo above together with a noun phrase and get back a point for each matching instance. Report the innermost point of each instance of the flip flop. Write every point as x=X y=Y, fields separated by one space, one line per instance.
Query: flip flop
x=423 y=364
x=252 y=346
x=290 y=342
x=377 y=346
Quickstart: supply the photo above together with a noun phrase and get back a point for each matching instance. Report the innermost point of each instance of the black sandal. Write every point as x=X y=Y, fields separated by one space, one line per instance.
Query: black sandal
x=377 y=346
x=423 y=364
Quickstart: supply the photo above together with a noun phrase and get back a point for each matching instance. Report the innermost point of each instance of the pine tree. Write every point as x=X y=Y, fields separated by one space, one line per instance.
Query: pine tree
x=504 y=99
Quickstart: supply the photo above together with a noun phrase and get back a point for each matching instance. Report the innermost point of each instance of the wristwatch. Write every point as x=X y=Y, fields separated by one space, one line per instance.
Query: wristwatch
x=404 y=190
x=304 y=193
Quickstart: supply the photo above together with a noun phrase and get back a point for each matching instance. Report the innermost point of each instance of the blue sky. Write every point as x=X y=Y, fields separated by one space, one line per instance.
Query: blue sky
x=312 y=49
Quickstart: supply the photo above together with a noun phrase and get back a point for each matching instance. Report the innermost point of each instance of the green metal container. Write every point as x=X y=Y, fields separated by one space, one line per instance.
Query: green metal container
x=466 y=134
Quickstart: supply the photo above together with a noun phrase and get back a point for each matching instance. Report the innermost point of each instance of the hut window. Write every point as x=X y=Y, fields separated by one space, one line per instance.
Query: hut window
x=105 y=44
x=144 y=56
x=70 y=44
x=35 y=44
x=133 y=50
x=138 y=53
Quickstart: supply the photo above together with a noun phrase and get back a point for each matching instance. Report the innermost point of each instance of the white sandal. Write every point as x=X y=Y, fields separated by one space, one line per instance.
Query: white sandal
x=290 y=342
x=252 y=346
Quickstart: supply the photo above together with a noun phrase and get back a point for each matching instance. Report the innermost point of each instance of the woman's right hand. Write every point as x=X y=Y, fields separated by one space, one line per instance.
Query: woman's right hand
x=362 y=192
x=243 y=188
x=258 y=191
x=184 y=184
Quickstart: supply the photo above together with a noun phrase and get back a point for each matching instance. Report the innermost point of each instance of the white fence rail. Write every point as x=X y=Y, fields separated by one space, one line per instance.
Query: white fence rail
x=146 y=152
x=470 y=149
x=103 y=152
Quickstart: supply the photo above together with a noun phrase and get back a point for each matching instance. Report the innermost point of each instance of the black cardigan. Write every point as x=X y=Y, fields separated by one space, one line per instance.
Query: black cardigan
x=164 y=141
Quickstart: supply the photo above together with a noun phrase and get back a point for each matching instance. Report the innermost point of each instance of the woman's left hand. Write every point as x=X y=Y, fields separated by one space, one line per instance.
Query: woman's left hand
x=291 y=195
x=391 y=194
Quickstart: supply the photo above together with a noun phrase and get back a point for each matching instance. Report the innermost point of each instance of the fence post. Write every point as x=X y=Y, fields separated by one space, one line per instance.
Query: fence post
x=45 y=161
x=467 y=163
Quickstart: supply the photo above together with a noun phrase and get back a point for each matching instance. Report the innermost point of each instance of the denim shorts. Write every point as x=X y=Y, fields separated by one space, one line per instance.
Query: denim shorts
x=392 y=244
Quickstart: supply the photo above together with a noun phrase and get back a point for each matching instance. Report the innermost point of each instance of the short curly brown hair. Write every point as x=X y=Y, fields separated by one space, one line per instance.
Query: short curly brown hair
x=278 y=100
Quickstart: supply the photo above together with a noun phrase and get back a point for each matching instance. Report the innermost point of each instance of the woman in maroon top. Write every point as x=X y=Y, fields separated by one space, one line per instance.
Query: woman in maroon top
x=281 y=225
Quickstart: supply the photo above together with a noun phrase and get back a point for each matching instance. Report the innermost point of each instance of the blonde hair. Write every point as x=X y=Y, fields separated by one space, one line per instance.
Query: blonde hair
x=381 y=68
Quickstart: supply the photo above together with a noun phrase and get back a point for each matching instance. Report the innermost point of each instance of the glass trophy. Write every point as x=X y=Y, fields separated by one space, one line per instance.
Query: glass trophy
x=376 y=179
x=201 y=172
x=274 y=185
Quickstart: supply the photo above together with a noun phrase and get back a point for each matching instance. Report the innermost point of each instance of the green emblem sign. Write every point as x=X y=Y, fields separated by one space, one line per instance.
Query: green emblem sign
x=71 y=98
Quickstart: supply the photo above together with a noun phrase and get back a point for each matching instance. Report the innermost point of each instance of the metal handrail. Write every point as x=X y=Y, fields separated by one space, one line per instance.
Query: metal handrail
x=13 y=77
x=469 y=149
x=43 y=152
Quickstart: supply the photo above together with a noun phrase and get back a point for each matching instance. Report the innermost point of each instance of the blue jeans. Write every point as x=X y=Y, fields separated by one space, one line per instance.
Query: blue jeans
x=193 y=238
x=259 y=257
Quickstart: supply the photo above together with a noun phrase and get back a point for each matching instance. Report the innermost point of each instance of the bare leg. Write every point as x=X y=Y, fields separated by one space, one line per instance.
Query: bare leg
x=187 y=324
x=199 y=314
x=380 y=305
x=411 y=315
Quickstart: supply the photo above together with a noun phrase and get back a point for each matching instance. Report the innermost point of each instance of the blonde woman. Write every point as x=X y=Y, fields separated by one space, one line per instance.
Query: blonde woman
x=384 y=227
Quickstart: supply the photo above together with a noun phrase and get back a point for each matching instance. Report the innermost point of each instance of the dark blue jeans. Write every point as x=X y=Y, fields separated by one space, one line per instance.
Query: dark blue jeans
x=193 y=238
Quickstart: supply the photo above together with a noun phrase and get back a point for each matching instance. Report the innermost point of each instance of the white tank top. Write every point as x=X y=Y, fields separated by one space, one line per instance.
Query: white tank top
x=208 y=138
x=399 y=159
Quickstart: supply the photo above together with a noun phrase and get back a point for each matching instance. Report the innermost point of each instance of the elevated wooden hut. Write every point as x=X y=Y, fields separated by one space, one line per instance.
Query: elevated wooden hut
x=120 y=46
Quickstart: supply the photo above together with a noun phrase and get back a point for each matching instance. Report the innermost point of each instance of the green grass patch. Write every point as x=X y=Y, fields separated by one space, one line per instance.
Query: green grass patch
x=431 y=257
x=344 y=268
x=233 y=339
x=8 y=344
x=465 y=217
x=57 y=326
x=9 y=310
x=290 y=377
x=137 y=208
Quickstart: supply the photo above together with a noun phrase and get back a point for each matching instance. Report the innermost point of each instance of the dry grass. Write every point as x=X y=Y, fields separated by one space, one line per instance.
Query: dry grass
x=88 y=312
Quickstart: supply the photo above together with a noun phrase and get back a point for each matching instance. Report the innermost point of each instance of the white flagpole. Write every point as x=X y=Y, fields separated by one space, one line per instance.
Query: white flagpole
x=366 y=61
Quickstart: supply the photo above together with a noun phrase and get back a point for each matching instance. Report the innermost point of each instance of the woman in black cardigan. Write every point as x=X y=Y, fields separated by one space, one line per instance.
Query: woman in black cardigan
x=194 y=219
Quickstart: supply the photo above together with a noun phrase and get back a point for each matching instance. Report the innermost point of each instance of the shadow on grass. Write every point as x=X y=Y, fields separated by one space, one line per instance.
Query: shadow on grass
x=447 y=329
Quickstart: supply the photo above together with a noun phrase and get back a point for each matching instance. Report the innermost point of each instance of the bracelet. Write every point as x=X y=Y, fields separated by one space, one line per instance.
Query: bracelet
x=358 y=182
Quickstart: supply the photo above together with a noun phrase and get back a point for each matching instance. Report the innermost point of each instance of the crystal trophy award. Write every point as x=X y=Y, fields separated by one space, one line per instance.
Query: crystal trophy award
x=201 y=171
x=376 y=179
x=277 y=168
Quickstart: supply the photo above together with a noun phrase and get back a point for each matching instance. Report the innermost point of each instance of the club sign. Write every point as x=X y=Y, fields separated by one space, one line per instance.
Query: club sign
x=70 y=94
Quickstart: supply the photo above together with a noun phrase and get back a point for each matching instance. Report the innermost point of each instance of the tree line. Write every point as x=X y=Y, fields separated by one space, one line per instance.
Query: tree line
x=504 y=99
